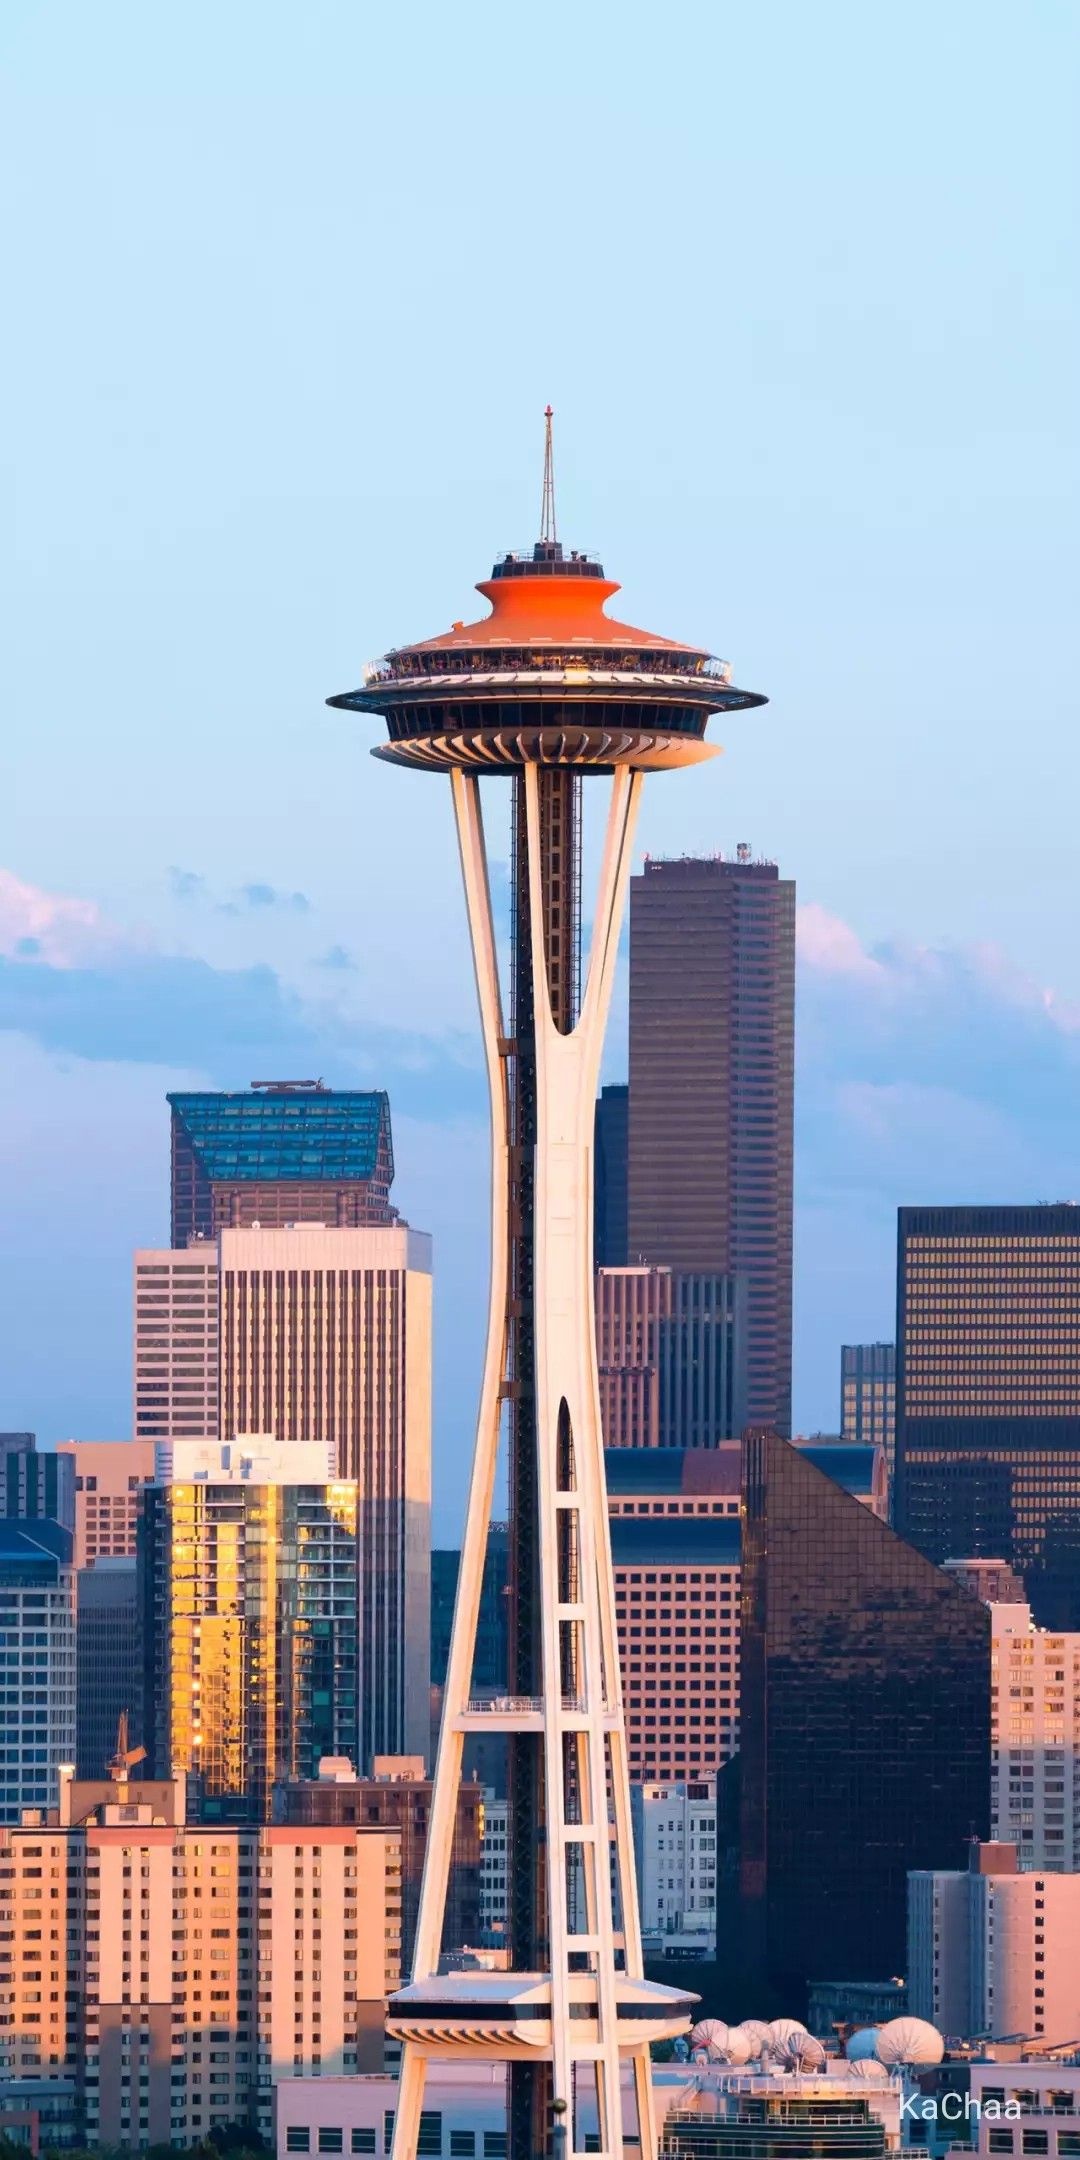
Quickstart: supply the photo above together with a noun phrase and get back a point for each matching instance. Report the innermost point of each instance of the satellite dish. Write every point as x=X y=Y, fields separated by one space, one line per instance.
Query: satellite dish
x=909 y=2040
x=801 y=2051
x=861 y=2046
x=782 y=2030
x=739 y=2048
x=865 y=2067
x=756 y=2032
x=710 y=2034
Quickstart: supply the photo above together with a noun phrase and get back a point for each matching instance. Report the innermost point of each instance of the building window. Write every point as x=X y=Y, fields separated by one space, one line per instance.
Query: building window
x=1001 y=2141
x=462 y=2144
x=429 y=2138
x=298 y=2138
x=363 y=2141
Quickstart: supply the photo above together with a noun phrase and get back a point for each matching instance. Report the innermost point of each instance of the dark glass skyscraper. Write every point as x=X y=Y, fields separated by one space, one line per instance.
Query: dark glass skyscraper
x=609 y=1177
x=712 y=1005
x=280 y=1152
x=988 y=1393
x=865 y=1731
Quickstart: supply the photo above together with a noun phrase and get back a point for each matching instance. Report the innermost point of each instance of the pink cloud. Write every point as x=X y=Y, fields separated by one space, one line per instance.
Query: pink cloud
x=40 y=925
x=831 y=946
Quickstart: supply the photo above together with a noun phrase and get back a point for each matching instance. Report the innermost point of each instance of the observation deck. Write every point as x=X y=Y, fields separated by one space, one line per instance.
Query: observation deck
x=547 y=678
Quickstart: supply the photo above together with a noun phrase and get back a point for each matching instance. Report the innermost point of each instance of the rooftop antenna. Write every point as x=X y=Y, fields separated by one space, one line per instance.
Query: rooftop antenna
x=547 y=500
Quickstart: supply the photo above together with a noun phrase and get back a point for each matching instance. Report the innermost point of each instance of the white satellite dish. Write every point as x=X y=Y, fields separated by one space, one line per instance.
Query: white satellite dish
x=909 y=2040
x=801 y=2051
x=756 y=2032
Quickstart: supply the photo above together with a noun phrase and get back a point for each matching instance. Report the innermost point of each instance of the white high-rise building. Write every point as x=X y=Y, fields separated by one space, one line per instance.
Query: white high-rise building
x=326 y=1338
x=317 y=1336
x=675 y=1853
x=994 y=1951
x=1035 y=1738
x=176 y=1348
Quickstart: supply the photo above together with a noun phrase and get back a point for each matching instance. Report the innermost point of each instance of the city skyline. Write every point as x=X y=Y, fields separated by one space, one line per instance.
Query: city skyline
x=862 y=488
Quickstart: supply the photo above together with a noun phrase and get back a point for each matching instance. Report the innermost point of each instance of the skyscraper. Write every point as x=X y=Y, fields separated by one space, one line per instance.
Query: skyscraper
x=281 y=1152
x=108 y=1662
x=545 y=689
x=109 y=1476
x=988 y=1393
x=35 y=1481
x=37 y=1662
x=1035 y=1706
x=250 y=1586
x=176 y=1347
x=712 y=998
x=326 y=1337
x=671 y=1349
x=610 y=1248
x=868 y=1395
x=864 y=1729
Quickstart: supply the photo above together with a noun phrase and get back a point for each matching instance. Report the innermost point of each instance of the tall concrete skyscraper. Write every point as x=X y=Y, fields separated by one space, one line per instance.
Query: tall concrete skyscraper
x=545 y=689
x=712 y=1005
x=988 y=1393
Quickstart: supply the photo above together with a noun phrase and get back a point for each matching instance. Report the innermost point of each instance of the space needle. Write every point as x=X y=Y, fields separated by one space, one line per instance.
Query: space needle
x=544 y=691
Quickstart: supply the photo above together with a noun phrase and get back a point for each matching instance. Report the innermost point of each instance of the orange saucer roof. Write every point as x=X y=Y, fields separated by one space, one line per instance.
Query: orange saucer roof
x=561 y=610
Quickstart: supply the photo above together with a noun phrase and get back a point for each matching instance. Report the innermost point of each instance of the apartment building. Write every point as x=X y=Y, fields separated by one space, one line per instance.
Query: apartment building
x=147 y=1960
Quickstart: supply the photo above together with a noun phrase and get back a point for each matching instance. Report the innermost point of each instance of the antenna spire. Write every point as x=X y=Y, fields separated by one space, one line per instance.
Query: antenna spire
x=547 y=500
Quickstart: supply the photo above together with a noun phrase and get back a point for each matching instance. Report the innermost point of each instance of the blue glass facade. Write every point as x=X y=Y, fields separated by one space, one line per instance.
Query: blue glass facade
x=287 y=1153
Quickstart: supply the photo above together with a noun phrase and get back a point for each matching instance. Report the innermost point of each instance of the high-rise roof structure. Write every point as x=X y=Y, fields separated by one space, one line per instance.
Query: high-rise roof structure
x=988 y=1393
x=279 y=1152
x=864 y=1729
x=544 y=690
x=712 y=1030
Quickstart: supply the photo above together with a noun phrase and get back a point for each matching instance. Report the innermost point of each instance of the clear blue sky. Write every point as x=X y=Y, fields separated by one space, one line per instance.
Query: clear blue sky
x=286 y=290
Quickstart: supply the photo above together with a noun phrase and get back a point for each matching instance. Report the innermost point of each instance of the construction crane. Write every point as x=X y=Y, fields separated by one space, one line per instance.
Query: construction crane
x=124 y=1758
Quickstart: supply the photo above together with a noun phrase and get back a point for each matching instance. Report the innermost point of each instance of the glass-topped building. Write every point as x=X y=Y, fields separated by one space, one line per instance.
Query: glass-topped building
x=988 y=1393
x=288 y=1151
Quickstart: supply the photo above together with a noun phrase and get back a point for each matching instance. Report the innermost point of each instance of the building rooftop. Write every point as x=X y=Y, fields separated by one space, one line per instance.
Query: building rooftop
x=286 y=1133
